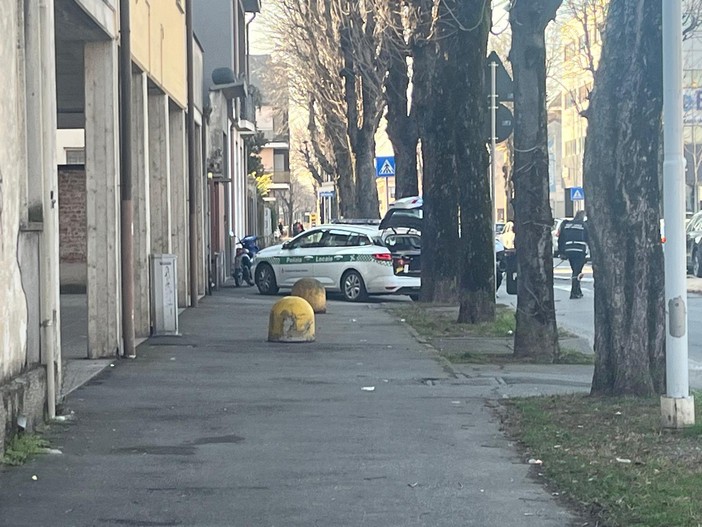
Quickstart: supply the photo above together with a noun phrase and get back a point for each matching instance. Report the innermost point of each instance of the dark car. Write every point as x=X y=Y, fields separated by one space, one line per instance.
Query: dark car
x=401 y=229
x=693 y=234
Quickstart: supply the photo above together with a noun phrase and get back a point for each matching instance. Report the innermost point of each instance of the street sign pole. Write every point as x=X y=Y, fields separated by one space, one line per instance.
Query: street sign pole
x=387 y=194
x=493 y=167
x=677 y=406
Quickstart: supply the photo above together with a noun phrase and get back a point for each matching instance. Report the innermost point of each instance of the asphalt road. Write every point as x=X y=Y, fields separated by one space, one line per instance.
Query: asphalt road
x=578 y=315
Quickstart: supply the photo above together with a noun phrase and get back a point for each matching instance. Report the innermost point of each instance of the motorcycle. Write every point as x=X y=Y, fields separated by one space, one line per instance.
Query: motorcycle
x=245 y=251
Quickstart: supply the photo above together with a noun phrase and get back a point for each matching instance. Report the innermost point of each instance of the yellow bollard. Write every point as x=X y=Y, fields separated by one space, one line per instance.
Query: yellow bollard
x=291 y=320
x=313 y=291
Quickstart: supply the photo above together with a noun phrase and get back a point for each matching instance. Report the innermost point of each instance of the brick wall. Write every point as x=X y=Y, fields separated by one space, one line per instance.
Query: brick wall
x=72 y=215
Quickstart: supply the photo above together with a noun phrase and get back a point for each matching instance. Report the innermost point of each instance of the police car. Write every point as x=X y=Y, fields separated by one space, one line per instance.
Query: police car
x=351 y=259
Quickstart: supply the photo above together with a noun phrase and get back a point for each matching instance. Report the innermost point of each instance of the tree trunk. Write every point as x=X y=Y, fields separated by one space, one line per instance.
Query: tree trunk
x=440 y=192
x=621 y=185
x=345 y=181
x=362 y=103
x=465 y=63
x=536 y=332
x=366 y=190
x=401 y=128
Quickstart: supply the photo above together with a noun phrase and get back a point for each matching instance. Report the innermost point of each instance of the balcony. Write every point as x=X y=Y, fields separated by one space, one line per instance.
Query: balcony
x=281 y=176
x=246 y=116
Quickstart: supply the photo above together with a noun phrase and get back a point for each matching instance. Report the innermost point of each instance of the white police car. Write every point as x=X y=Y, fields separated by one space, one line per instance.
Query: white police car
x=351 y=259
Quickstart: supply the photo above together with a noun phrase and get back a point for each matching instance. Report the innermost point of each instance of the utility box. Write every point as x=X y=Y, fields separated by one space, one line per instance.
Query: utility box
x=164 y=294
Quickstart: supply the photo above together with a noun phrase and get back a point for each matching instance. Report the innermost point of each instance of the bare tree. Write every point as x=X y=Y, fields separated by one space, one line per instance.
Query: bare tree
x=621 y=180
x=536 y=332
x=298 y=199
x=401 y=126
x=337 y=54
x=467 y=49
x=439 y=185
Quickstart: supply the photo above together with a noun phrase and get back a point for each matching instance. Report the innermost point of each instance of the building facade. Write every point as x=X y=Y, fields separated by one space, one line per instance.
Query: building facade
x=67 y=222
x=222 y=27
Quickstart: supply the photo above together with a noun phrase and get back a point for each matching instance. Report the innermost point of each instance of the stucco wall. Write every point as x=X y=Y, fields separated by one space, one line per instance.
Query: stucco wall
x=159 y=44
x=13 y=307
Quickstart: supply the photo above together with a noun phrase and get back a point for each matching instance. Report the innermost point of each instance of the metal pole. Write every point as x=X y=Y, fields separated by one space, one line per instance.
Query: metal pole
x=677 y=407
x=44 y=48
x=192 y=168
x=493 y=167
x=387 y=194
x=127 y=210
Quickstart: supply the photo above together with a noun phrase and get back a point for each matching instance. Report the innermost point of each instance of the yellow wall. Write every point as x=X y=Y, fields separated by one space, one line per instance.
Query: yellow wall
x=159 y=44
x=576 y=82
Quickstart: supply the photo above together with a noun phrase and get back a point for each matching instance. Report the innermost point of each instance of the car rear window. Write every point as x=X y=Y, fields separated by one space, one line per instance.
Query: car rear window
x=403 y=242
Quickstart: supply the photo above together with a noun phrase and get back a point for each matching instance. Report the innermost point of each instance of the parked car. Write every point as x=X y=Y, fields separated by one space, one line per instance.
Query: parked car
x=403 y=220
x=693 y=235
x=352 y=259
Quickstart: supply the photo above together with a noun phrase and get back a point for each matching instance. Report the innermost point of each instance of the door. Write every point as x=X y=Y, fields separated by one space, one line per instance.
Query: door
x=332 y=257
x=297 y=257
x=338 y=252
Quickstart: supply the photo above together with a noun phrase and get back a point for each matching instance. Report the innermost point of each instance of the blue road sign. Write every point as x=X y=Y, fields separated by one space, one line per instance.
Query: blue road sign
x=384 y=166
x=577 y=193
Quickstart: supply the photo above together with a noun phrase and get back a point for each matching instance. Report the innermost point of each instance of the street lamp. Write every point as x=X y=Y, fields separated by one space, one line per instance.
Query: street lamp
x=677 y=406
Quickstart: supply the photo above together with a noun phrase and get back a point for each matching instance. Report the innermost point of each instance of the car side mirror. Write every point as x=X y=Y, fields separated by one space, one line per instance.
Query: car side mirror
x=286 y=245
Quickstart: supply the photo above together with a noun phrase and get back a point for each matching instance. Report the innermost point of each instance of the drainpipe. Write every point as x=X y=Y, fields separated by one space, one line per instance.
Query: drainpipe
x=248 y=47
x=49 y=303
x=127 y=210
x=192 y=169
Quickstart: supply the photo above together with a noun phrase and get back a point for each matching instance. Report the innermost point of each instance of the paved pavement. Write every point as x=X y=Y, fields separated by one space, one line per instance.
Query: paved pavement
x=221 y=428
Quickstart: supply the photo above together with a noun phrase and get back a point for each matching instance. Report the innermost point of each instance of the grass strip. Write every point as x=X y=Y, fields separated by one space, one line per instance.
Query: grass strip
x=611 y=457
x=22 y=448
x=432 y=322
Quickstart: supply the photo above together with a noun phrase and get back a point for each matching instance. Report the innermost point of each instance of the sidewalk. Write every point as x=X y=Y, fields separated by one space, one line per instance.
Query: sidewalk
x=221 y=428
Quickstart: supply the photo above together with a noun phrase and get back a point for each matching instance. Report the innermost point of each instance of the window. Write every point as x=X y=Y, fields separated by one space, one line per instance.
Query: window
x=307 y=240
x=75 y=156
x=403 y=242
x=334 y=239
x=358 y=240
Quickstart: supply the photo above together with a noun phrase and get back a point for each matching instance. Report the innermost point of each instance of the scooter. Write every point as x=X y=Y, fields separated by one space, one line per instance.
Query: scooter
x=246 y=250
x=242 y=267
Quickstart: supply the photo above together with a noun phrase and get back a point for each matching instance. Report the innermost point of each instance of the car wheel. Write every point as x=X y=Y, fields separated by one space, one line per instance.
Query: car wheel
x=697 y=264
x=352 y=287
x=415 y=298
x=265 y=280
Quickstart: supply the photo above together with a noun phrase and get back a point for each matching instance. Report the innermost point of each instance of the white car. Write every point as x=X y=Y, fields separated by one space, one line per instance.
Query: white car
x=351 y=259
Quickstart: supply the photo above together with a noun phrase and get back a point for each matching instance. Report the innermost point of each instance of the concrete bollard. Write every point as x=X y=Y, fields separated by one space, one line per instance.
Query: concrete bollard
x=313 y=291
x=291 y=320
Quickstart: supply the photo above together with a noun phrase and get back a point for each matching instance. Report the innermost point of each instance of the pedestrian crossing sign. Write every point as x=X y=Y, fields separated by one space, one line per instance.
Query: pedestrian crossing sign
x=577 y=194
x=385 y=166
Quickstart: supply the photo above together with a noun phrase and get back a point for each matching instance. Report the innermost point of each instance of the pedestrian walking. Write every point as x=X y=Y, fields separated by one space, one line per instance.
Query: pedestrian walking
x=572 y=245
x=507 y=235
x=280 y=228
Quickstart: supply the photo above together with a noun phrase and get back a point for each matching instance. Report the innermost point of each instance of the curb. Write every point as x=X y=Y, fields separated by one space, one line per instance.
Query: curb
x=443 y=361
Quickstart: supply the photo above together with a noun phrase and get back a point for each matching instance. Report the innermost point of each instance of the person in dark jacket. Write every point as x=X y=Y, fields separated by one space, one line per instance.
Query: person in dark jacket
x=572 y=245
